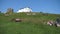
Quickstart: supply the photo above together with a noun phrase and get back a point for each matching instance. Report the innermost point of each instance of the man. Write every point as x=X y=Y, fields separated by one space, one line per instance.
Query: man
x=57 y=23
x=58 y=20
x=50 y=23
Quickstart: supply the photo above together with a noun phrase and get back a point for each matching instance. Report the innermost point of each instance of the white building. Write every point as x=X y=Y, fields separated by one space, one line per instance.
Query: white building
x=25 y=10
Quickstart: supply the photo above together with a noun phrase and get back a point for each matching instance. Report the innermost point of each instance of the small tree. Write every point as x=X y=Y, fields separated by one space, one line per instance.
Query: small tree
x=41 y=12
x=9 y=11
x=0 y=12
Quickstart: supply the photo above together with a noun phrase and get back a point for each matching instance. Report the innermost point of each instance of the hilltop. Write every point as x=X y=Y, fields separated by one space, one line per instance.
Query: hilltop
x=32 y=23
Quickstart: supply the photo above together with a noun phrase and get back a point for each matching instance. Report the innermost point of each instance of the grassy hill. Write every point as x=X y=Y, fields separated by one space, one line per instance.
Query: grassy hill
x=31 y=24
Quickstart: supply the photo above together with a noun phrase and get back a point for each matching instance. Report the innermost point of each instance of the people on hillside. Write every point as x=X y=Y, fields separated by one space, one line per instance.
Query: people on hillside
x=57 y=23
x=17 y=19
x=50 y=23
x=58 y=20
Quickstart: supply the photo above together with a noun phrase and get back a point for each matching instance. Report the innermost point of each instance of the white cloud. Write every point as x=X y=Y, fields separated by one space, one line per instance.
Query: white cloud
x=24 y=10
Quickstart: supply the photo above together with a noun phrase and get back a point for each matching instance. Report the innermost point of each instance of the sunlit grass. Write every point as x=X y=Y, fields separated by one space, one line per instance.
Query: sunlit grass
x=30 y=25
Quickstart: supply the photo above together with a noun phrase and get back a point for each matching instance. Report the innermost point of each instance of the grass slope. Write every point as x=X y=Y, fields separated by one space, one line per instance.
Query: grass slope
x=31 y=24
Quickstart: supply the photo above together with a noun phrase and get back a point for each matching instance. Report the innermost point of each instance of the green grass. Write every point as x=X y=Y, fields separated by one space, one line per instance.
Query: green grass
x=30 y=24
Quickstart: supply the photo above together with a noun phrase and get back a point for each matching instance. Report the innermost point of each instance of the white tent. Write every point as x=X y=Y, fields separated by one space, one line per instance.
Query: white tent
x=24 y=10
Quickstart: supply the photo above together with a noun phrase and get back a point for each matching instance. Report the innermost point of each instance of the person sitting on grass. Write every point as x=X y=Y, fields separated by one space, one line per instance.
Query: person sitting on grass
x=50 y=23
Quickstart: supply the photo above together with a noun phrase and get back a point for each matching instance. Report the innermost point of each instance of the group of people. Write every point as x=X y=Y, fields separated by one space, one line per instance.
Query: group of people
x=17 y=19
x=55 y=23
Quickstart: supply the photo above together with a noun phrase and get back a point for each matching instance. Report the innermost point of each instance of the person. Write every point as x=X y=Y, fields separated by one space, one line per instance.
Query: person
x=50 y=23
x=58 y=20
x=57 y=23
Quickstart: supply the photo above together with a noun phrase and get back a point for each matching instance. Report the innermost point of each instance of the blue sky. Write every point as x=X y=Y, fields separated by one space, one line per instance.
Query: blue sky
x=48 y=6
